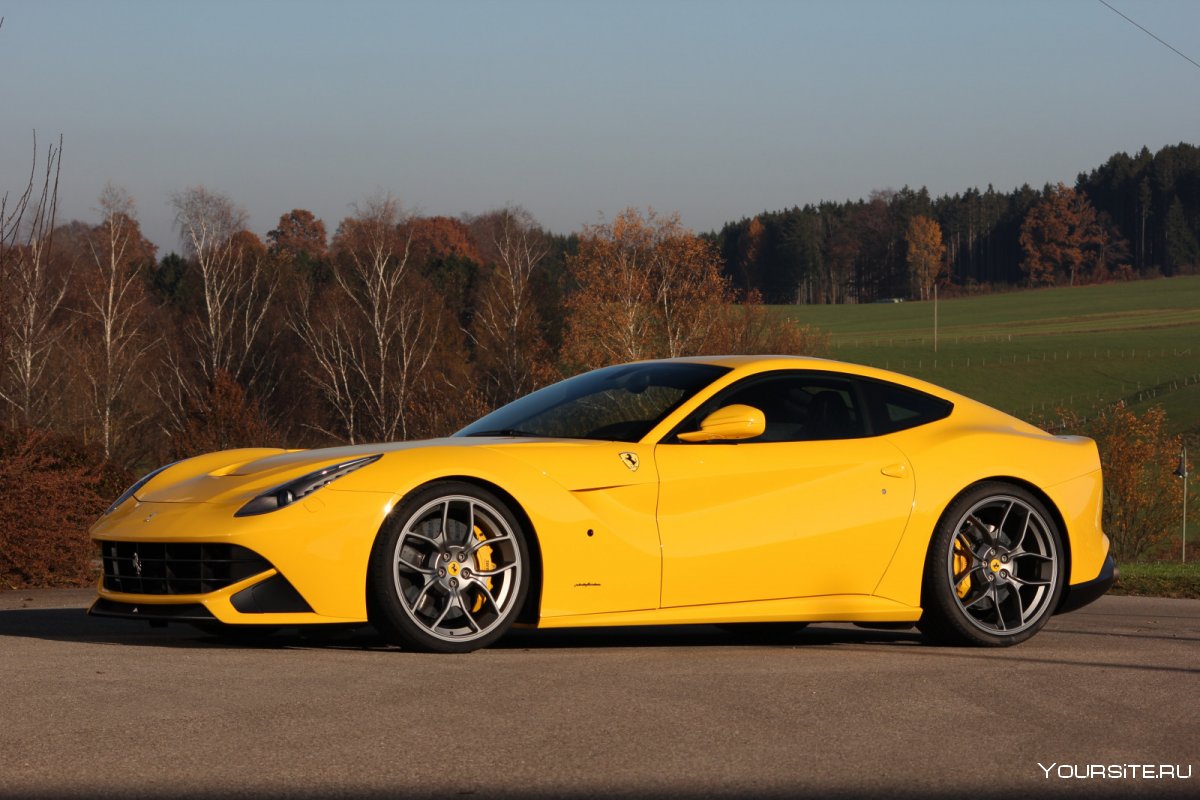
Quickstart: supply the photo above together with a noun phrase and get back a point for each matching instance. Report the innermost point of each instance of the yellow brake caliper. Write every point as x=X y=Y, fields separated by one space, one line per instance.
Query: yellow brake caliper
x=962 y=561
x=484 y=563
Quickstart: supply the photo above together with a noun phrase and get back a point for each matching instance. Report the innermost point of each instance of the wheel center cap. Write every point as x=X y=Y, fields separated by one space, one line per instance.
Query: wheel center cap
x=994 y=565
x=453 y=568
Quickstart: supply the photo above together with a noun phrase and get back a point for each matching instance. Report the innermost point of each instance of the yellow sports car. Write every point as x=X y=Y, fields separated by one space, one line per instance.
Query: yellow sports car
x=719 y=490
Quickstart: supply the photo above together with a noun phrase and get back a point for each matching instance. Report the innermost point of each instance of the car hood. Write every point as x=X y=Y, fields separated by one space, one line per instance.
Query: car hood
x=237 y=475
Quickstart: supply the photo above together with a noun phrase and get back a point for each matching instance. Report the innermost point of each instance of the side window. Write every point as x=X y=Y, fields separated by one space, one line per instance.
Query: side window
x=798 y=407
x=899 y=408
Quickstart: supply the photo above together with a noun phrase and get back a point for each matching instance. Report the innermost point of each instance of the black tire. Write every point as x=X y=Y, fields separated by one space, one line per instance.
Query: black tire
x=449 y=571
x=995 y=568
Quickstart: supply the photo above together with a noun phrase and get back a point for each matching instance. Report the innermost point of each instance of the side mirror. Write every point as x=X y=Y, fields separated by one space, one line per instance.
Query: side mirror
x=728 y=424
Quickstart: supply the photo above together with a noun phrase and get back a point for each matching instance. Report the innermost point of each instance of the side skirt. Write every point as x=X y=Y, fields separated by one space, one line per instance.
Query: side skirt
x=827 y=608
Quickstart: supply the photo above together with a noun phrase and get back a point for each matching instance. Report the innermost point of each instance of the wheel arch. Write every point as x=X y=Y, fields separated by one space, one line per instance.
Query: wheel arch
x=1041 y=496
x=530 y=611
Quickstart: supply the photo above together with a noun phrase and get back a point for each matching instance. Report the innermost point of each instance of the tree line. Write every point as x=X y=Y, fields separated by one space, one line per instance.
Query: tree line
x=1133 y=216
x=394 y=326
x=391 y=325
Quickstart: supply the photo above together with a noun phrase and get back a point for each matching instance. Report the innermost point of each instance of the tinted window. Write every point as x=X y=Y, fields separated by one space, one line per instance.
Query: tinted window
x=899 y=408
x=797 y=407
x=621 y=403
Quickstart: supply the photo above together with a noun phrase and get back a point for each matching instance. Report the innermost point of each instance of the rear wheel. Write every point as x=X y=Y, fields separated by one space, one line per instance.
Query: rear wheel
x=994 y=571
x=449 y=571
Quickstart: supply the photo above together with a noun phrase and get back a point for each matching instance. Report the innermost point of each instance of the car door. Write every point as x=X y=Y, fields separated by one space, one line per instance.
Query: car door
x=814 y=506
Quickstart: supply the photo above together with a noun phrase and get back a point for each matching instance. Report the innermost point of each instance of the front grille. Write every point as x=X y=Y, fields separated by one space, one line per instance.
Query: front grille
x=177 y=567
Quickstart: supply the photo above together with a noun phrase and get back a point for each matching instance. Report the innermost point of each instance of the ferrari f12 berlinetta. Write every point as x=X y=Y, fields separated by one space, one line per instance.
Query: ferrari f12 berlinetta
x=727 y=490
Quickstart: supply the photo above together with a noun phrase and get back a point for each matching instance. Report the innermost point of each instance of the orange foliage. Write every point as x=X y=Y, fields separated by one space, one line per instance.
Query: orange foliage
x=247 y=247
x=925 y=253
x=298 y=236
x=1063 y=236
x=433 y=238
x=650 y=288
x=222 y=419
x=50 y=492
x=1142 y=496
x=749 y=327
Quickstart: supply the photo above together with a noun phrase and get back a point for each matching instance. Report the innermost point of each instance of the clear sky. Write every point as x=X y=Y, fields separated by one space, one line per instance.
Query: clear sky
x=575 y=110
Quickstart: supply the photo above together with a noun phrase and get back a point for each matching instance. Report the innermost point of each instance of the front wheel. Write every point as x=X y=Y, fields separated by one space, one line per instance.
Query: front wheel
x=994 y=571
x=449 y=571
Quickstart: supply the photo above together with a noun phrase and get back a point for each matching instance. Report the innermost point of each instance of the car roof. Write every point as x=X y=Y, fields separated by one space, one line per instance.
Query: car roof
x=750 y=364
x=747 y=365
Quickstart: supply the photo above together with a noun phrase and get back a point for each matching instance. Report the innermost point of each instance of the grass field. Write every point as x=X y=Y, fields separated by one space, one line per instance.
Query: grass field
x=1159 y=580
x=1030 y=352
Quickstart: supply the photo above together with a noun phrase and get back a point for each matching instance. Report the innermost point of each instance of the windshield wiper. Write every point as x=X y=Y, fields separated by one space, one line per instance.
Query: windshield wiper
x=505 y=432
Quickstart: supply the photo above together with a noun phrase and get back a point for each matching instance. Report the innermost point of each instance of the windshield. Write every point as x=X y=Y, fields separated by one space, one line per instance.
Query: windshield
x=620 y=404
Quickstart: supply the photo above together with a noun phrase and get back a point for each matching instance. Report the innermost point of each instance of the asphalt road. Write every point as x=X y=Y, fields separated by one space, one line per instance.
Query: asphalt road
x=104 y=708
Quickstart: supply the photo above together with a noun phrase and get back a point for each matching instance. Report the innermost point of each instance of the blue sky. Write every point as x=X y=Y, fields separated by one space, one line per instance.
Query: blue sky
x=575 y=110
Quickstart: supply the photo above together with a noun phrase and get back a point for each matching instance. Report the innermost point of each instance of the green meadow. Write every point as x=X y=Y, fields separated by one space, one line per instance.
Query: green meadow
x=1030 y=352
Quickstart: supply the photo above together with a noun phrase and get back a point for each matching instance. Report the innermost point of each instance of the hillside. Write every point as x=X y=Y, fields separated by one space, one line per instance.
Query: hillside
x=1029 y=352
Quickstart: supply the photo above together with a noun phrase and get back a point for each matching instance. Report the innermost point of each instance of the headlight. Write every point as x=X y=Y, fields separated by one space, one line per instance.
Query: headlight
x=300 y=488
x=132 y=490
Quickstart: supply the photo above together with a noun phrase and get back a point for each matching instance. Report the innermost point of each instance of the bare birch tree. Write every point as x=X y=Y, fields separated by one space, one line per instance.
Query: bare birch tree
x=115 y=343
x=236 y=287
x=33 y=294
x=372 y=335
x=510 y=352
x=228 y=338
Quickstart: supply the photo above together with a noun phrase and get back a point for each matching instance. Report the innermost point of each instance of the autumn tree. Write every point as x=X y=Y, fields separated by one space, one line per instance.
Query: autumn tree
x=446 y=253
x=114 y=340
x=33 y=294
x=298 y=239
x=435 y=238
x=510 y=353
x=925 y=254
x=613 y=315
x=648 y=288
x=372 y=333
x=1062 y=237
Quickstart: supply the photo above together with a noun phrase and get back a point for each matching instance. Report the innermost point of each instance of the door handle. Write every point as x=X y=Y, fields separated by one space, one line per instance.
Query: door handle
x=895 y=470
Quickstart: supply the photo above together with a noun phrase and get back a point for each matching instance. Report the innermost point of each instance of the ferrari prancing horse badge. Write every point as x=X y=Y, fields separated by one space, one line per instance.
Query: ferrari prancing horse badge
x=630 y=460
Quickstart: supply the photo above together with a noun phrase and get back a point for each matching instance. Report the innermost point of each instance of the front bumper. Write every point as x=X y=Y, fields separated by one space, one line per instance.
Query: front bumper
x=1081 y=594
x=303 y=564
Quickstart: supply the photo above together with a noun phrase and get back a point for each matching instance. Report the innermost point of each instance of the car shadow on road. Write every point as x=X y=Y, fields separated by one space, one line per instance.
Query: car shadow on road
x=74 y=625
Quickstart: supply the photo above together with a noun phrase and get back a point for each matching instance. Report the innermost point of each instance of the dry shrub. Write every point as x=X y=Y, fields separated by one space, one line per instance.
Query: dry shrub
x=1142 y=496
x=224 y=419
x=751 y=328
x=51 y=489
